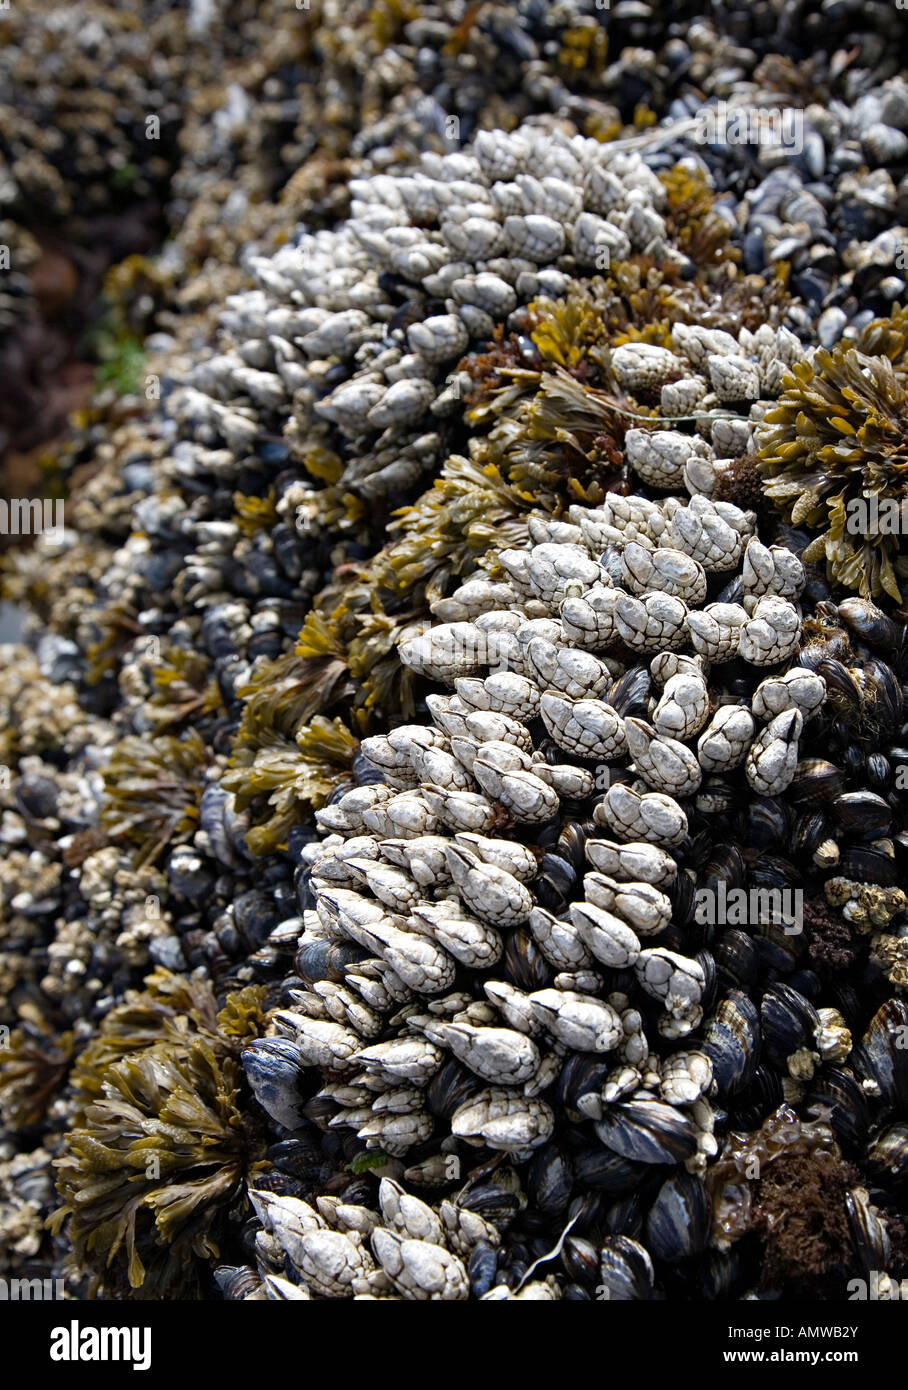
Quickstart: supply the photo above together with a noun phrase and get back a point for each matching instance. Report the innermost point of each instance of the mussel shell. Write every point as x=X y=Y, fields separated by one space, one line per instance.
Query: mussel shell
x=524 y=964
x=482 y=1268
x=727 y=865
x=869 y=622
x=625 y=1269
x=606 y=1170
x=869 y=1235
x=678 y=1222
x=236 y=1282
x=491 y=1201
x=870 y=865
x=836 y=1097
x=732 y=1042
x=581 y=1074
x=809 y=831
x=327 y=960
x=767 y=822
x=580 y=1259
x=737 y=957
x=646 y=1130
x=887 y=1154
x=882 y=1054
x=815 y=782
x=550 y=1179
x=787 y=1022
x=863 y=814
x=628 y=695
x=450 y=1088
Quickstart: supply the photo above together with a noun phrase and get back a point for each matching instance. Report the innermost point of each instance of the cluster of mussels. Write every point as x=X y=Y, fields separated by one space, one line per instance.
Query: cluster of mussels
x=452 y=825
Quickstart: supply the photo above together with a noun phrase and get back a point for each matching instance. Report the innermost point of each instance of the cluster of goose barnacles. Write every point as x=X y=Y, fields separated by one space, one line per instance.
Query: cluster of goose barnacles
x=424 y=877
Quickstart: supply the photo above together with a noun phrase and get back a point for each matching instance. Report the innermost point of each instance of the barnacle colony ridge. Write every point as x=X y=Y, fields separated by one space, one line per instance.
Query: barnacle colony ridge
x=351 y=920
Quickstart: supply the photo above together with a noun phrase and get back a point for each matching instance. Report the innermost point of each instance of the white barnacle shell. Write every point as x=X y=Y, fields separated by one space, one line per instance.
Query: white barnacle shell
x=668 y=570
x=472 y=942
x=772 y=634
x=676 y=980
x=586 y=728
x=589 y=619
x=659 y=456
x=503 y=1056
x=641 y=815
x=577 y=674
x=643 y=906
x=661 y=761
x=733 y=378
x=639 y=366
x=536 y=237
x=580 y=1022
x=724 y=742
x=656 y=621
x=420 y=1269
x=715 y=631
x=593 y=236
x=446 y=651
x=560 y=942
x=504 y=692
x=631 y=862
x=460 y=810
x=772 y=758
x=489 y=891
x=796 y=689
x=683 y=707
x=438 y=338
x=553 y=571
x=514 y=858
x=771 y=570
x=685 y=1077
x=504 y=1120
x=610 y=939
x=705 y=531
x=404 y=403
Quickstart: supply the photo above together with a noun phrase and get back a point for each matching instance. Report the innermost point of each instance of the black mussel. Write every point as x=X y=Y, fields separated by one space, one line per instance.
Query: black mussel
x=482 y=1267
x=645 y=1130
x=236 y=1282
x=625 y=1270
x=524 y=964
x=862 y=814
x=879 y=771
x=881 y=1057
x=767 y=823
x=887 y=1154
x=787 y=1023
x=629 y=693
x=327 y=960
x=625 y=1217
x=843 y=691
x=571 y=846
x=762 y=1096
x=809 y=831
x=707 y=963
x=583 y=1073
x=553 y=884
x=605 y=1169
x=719 y=1274
x=773 y=871
x=816 y=781
x=550 y=1179
x=732 y=1042
x=736 y=956
x=584 y=1215
x=491 y=1201
x=683 y=900
x=450 y=1088
x=836 y=1098
x=253 y=913
x=870 y=623
x=716 y=796
x=883 y=702
x=678 y=1222
x=869 y=1235
x=868 y=864
x=272 y=1067
x=726 y=865
x=580 y=1259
